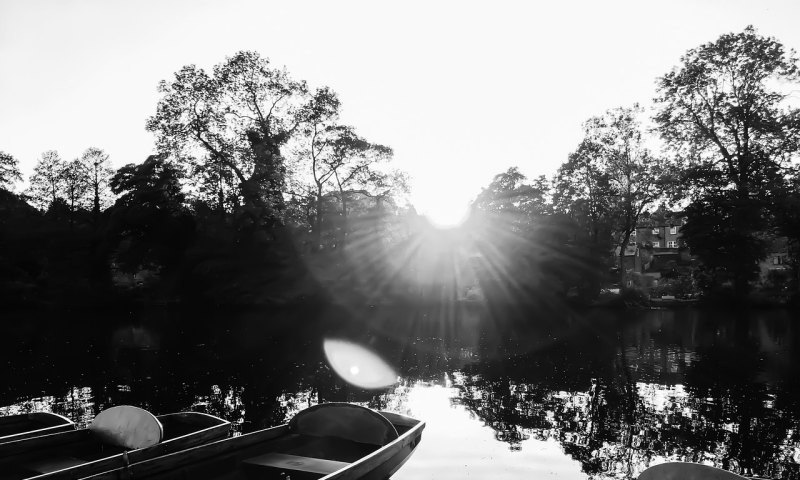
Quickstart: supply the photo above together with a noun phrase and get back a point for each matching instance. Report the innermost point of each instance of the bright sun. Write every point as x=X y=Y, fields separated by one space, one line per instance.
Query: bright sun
x=442 y=212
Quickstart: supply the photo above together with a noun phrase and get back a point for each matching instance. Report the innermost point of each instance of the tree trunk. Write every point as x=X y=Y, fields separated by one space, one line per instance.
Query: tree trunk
x=96 y=206
x=742 y=223
x=71 y=210
x=263 y=191
x=220 y=191
x=344 y=220
x=318 y=221
x=621 y=258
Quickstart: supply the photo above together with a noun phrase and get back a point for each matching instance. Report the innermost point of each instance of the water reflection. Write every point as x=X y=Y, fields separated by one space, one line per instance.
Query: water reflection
x=586 y=396
x=77 y=405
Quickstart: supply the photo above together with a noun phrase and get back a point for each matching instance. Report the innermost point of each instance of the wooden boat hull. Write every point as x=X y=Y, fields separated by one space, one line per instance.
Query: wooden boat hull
x=687 y=471
x=273 y=453
x=27 y=425
x=78 y=454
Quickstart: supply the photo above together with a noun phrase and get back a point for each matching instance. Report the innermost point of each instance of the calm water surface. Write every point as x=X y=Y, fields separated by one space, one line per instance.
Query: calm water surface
x=598 y=394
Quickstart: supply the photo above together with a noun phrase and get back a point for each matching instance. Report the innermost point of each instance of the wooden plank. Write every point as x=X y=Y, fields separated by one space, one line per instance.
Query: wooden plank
x=283 y=461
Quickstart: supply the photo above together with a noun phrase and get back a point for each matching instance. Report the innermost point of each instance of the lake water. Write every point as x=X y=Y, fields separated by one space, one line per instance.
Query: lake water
x=505 y=394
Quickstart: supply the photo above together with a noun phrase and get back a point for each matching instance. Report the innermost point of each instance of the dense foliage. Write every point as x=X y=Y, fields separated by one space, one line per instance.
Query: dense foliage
x=259 y=195
x=724 y=114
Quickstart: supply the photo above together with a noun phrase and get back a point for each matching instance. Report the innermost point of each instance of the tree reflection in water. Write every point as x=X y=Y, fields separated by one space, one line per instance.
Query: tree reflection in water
x=714 y=393
x=617 y=394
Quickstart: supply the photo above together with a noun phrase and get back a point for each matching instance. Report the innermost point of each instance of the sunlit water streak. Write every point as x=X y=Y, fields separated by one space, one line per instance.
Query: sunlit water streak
x=459 y=445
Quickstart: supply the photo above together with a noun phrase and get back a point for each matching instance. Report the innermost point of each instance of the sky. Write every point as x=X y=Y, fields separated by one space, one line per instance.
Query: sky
x=460 y=90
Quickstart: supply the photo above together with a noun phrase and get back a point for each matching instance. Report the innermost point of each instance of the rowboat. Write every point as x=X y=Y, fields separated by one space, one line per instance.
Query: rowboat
x=17 y=427
x=327 y=441
x=118 y=436
x=687 y=471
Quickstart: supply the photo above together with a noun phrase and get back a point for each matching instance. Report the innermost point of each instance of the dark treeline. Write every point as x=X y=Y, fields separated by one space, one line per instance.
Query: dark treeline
x=256 y=184
x=719 y=165
x=259 y=195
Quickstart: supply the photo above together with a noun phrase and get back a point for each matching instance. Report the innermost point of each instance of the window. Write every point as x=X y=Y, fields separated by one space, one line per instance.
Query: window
x=776 y=260
x=673 y=230
x=672 y=244
x=633 y=233
x=632 y=241
x=656 y=244
x=655 y=231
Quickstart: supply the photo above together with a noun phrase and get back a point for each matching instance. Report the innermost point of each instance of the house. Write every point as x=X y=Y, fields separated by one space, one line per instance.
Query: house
x=655 y=248
x=775 y=268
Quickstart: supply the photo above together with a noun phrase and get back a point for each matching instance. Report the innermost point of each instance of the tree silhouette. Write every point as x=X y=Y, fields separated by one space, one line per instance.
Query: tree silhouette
x=341 y=165
x=611 y=179
x=634 y=174
x=95 y=163
x=9 y=171
x=733 y=133
x=583 y=192
x=47 y=181
x=76 y=184
x=239 y=118
x=148 y=223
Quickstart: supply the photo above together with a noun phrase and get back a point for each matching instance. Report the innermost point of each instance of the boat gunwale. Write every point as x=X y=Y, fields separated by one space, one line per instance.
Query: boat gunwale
x=166 y=463
x=156 y=466
x=219 y=422
x=65 y=426
x=398 y=443
x=52 y=439
x=139 y=451
x=689 y=471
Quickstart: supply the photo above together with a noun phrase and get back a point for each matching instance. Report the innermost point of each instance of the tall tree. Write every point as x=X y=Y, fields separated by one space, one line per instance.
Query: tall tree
x=635 y=176
x=582 y=190
x=215 y=185
x=723 y=111
x=320 y=132
x=148 y=220
x=75 y=179
x=153 y=184
x=239 y=116
x=514 y=201
x=99 y=172
x=341 y=164
x=46 y=183
x=358 y=168
x=787 y=219
x=9 y=171
x=528 y=249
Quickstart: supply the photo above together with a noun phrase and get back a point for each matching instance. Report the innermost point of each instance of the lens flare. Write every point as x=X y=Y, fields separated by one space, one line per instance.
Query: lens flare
x=357 y=365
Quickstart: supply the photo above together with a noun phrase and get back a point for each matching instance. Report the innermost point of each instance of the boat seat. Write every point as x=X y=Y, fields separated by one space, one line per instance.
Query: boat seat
x=346 y=421
x=297 y=463
x=128 y=427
